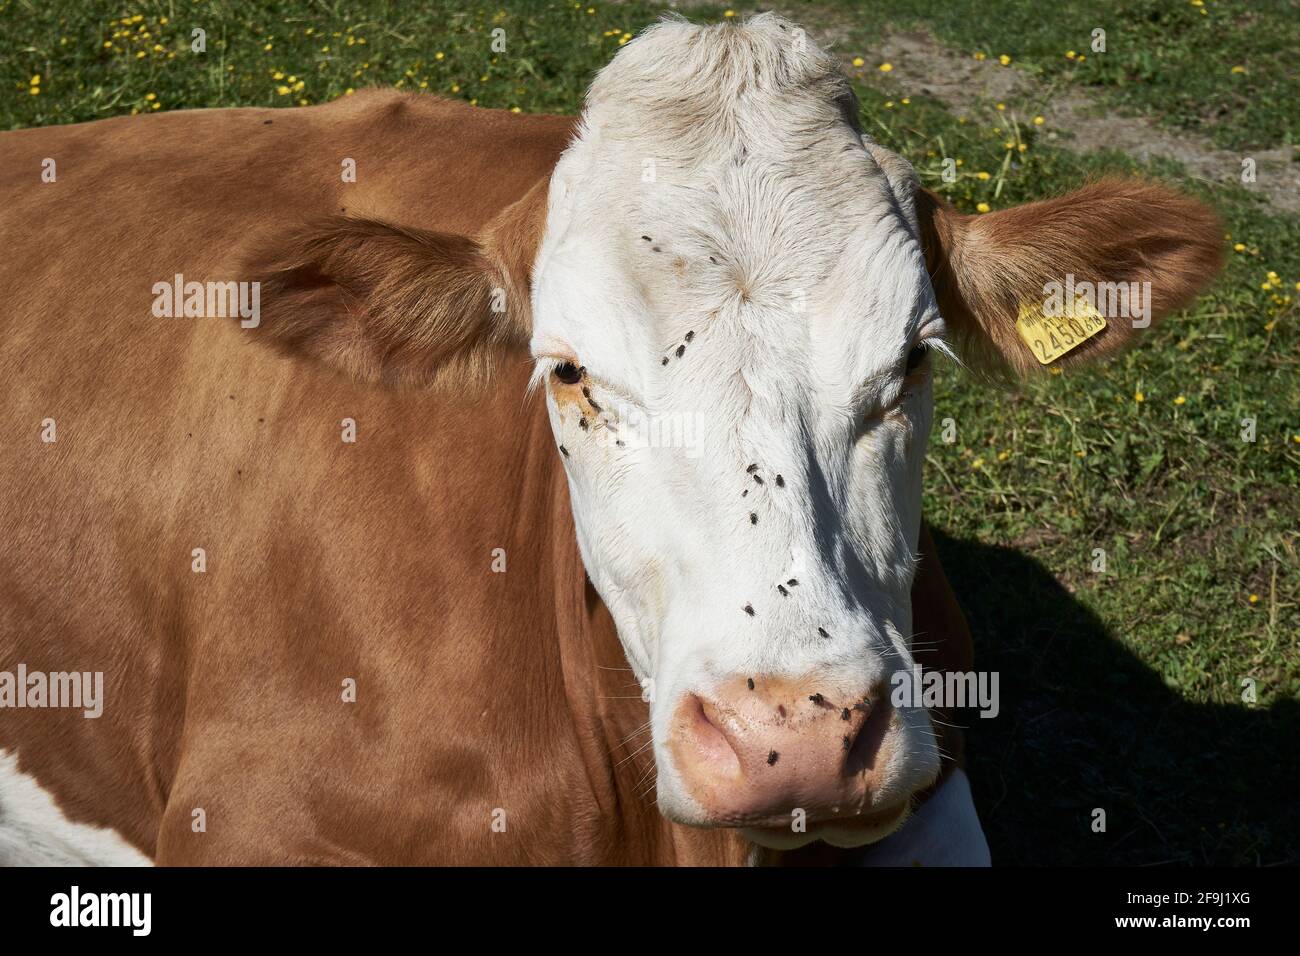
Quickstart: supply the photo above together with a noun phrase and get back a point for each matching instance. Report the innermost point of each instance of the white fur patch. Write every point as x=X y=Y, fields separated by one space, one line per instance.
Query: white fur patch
x=35 y=832
x=724 y=250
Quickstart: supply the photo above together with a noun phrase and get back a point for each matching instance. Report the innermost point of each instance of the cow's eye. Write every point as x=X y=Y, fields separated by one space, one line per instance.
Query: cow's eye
x=568 y=373
x=916 y=357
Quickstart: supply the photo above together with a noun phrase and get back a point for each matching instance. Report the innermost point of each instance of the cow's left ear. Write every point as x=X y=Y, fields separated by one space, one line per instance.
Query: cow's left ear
x=1066 y=280
x=397 y=305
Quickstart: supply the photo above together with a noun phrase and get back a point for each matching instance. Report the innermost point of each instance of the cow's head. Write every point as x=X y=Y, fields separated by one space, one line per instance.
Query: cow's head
x=736 y=306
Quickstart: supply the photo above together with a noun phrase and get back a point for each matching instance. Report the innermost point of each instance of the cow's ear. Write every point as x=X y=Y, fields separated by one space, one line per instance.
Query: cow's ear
x=395 y=305
x=1125 y=252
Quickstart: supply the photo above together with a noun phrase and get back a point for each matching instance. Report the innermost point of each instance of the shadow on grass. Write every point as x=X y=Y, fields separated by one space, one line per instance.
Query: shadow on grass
x=1085 y=724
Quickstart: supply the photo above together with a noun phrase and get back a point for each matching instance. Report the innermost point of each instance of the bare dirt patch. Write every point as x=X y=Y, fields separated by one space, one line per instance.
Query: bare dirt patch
x=1076 y=120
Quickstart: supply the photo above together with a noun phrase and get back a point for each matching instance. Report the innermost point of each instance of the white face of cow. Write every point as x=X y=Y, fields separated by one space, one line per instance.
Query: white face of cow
x=732 y=322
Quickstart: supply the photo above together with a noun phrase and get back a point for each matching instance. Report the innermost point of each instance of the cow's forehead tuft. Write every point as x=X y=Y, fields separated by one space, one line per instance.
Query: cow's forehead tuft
x=720 y=90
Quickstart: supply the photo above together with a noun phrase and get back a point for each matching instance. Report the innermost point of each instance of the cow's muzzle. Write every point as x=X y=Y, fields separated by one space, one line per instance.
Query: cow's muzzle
x=780 y=755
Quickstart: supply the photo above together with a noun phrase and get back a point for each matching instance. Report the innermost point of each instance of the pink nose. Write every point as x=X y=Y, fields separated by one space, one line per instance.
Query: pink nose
x=761 y=748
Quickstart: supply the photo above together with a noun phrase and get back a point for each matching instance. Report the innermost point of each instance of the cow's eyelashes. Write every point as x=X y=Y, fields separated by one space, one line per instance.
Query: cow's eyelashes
x=568 y=373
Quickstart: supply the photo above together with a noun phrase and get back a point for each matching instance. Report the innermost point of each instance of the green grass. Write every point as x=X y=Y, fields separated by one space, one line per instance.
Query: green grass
x=1121 y=690
x=1225 y=69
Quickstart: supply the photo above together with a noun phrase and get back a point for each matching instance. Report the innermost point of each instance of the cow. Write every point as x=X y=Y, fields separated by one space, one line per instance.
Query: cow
x=439 y=485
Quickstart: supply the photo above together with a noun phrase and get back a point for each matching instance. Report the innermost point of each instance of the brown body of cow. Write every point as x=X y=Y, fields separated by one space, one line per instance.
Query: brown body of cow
x=476 y=692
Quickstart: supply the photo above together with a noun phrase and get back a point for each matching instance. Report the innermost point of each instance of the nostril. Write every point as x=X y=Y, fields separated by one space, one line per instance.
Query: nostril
x=709 y=743
x=864 y=746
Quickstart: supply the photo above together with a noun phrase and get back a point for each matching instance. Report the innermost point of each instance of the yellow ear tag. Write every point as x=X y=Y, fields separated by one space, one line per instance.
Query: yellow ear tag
x=1051 y=336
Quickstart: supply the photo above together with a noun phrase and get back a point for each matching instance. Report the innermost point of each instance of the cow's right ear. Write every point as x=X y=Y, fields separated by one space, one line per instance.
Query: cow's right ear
x=395 y=305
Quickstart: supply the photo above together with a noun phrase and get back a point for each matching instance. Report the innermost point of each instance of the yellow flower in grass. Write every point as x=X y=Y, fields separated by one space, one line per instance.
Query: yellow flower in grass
x=982 y=207
x=1039 y=121
x=858 y=61
x=1004 y=60
x=885 y=67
